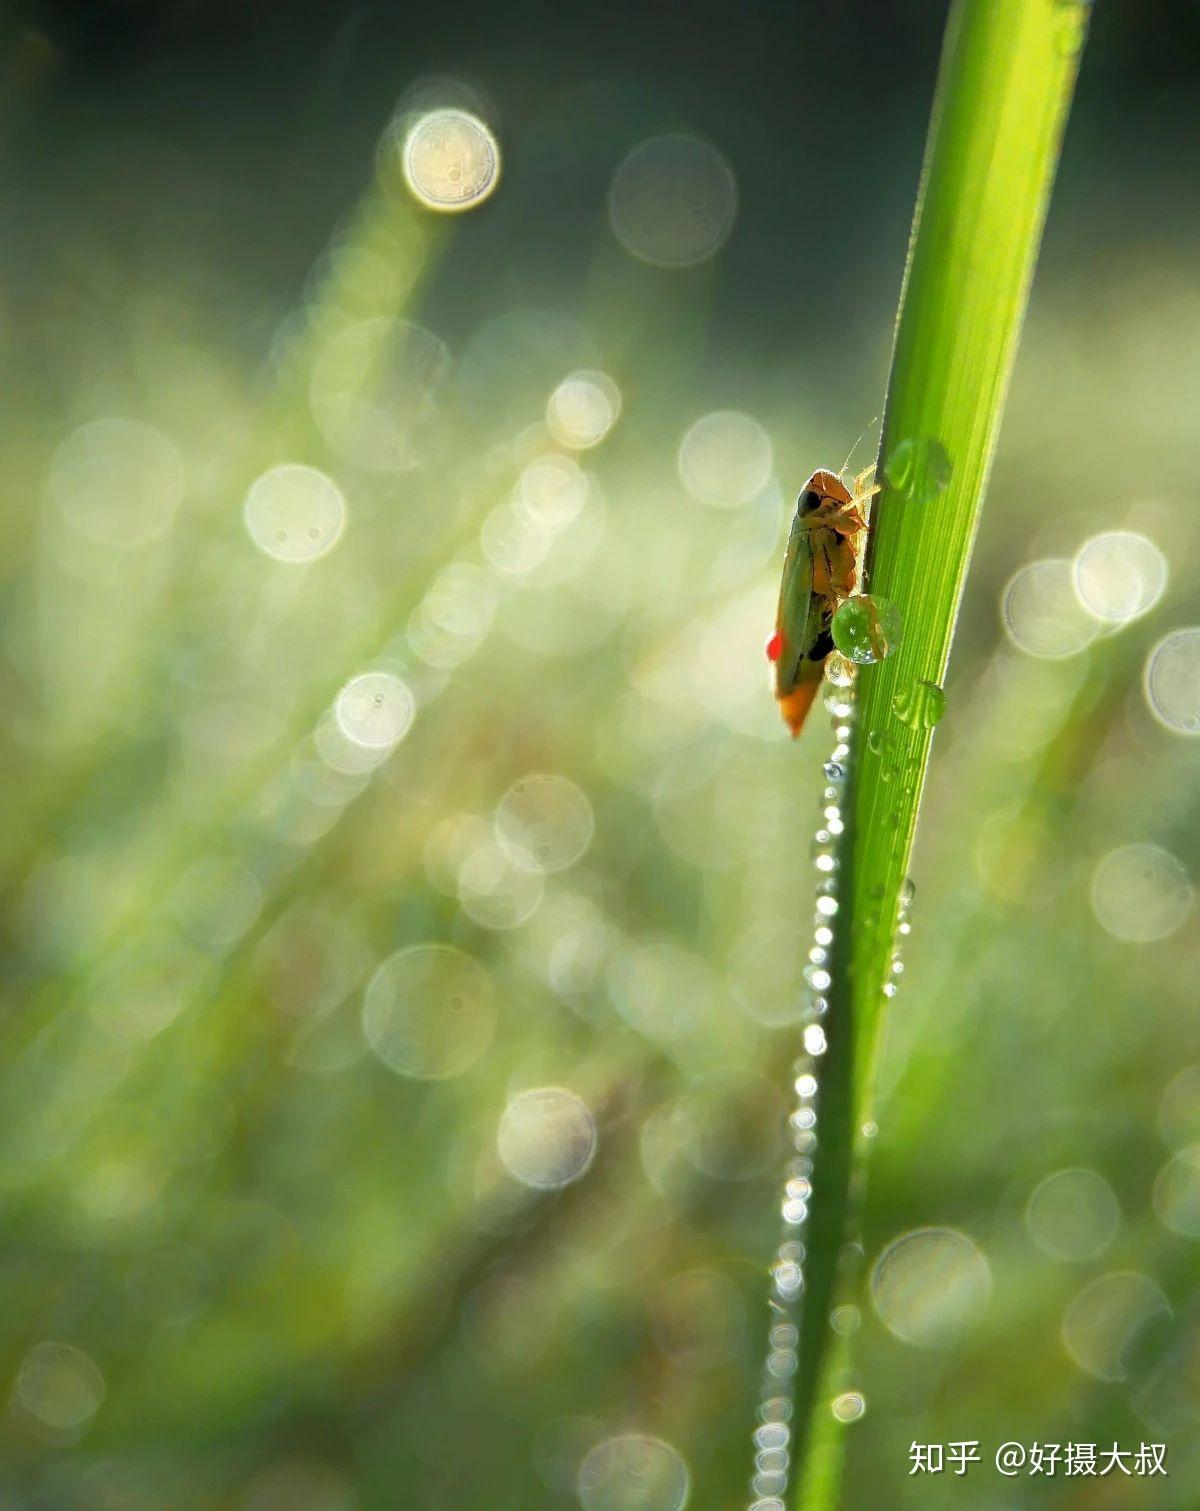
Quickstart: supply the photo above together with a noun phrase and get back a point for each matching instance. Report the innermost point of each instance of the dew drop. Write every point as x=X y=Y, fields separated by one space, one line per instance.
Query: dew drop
x=849 y=1406
x=451 y=160
x=845 y=1320
x=814 y=1039
x=920 y=706
x=867 y=629
x=838 y=671
x=838 y=701
x=919 y=468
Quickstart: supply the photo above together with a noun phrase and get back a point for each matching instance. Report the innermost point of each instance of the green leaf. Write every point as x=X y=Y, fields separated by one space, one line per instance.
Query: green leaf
x=1007 y=72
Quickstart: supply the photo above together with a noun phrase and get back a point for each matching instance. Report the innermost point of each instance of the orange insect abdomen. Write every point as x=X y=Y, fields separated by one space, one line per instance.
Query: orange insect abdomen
x=794 y=706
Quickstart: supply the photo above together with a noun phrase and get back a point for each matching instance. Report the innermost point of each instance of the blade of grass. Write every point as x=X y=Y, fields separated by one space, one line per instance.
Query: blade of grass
x=1007 y=72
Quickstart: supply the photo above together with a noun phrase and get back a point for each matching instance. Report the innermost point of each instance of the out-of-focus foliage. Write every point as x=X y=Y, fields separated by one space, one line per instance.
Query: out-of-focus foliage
x=382 y=648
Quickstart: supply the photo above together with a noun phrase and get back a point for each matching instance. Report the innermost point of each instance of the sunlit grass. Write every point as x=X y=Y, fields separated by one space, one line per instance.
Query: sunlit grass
x=1006 y=78
x=273 y=1238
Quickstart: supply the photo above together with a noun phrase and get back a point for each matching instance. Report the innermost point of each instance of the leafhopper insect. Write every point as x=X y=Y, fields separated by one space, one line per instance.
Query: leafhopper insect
x=820 y=570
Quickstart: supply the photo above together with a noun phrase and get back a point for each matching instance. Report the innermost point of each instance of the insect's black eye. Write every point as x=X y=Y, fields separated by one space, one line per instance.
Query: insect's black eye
x=810 y=500
x=822 y=646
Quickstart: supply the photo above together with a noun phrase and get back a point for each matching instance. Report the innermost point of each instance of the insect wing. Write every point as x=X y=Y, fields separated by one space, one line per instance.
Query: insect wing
x=792 y=619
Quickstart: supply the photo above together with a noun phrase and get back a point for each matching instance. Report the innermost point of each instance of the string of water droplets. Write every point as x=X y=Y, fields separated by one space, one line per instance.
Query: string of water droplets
x=773 y=1434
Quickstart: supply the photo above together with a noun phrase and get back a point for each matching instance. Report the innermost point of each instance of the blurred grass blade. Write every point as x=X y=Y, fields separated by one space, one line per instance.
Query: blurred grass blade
x=1007 y=73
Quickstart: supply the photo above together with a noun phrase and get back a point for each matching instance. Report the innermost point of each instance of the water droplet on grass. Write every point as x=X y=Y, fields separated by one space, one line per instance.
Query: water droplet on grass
x=845 y=1320
x=849 y=1406
x=838 y=671
x=839 y=701
x=919 y=468
x=867 y=629
x=920 y=706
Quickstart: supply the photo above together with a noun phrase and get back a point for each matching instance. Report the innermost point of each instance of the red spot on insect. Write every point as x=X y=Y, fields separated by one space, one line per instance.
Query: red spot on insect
x=775 y=646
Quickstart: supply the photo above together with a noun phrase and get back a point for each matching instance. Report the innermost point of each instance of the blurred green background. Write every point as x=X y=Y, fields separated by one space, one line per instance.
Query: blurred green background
x=274 y=1235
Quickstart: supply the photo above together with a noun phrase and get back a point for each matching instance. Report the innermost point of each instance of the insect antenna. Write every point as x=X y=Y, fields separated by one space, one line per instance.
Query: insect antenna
x=856 y=445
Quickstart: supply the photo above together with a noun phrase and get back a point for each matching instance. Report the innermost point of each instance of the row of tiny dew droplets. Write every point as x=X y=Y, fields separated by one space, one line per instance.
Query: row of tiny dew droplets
x=773 y=1435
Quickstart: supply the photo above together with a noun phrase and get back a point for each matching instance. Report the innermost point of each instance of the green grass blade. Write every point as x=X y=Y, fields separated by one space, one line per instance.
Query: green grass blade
x=1007 y=73
x=1007 y=76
